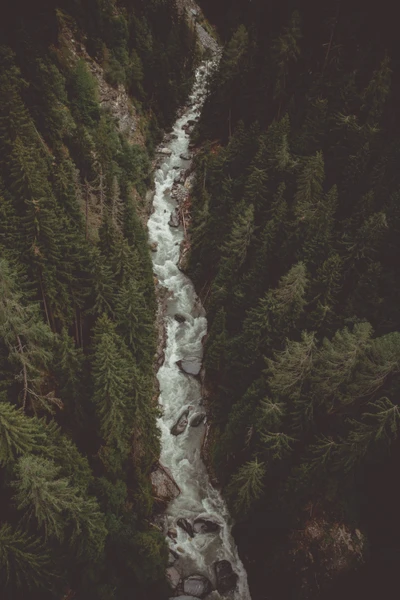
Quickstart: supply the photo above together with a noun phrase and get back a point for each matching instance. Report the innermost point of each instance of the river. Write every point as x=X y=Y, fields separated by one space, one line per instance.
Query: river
x=180 y=392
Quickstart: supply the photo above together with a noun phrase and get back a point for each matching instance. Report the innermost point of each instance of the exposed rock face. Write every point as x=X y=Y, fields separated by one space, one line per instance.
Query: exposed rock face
x=197 y=420
x=226 y=577
x=205 y=526
x=190 y=365
x=186 y=526
x=173 y=577
x=197 y=585
x=181 y=424
x=164 y=487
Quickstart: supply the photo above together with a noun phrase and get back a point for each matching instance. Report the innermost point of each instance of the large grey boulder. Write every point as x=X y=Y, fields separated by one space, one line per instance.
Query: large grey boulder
x=164 y=151
x=173 y=577
x=197 y=585
x=174 y=220
x=201 y=525
x=226 y=577
x=164 y=486
x=181 y=423
x=186 y=526
x=190 y=365
x=197 y=420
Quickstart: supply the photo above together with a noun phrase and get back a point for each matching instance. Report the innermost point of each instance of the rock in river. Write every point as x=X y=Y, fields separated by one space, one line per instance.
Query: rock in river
x=197 y=420
x=197 y=585
x=181 y=424
x=173 y=577
x=187 y=156
x=164 y=487
x=165 y=151
x=190 y=365
x=174 y=220
x=226 y=577
x=205 y=526
x=179 y=318
x=186 y=526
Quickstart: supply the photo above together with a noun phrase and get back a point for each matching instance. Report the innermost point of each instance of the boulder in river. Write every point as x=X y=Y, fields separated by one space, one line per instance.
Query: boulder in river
x=179 y=318
x=186 y=156
x=165 y=151
x=164 y=487
x=172 y=533
x=186 y=526
x=174 y=220
x=154 y=246
x=190 y=365
x=183 y=598
x=173 y=577
x=201 y=525
x=226 y=576
x=181 y=424
x=197 y=420
x=172 y=557
x=197 y=585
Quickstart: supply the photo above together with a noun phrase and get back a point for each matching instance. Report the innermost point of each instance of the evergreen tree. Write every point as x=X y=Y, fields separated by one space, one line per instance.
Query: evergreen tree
x=54 y=503
x=19 y=435
x=114 y=385
x=24 y=560
x=247 y=486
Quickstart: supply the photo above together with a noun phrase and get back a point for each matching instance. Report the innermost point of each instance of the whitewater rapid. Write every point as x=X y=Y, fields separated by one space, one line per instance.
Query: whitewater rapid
x=182 y=454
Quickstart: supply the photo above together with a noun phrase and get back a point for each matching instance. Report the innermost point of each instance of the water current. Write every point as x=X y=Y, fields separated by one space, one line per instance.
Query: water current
x=181 y=392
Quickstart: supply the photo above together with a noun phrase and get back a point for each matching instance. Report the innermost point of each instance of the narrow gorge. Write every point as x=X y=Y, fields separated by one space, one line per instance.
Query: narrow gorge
x=203 y=555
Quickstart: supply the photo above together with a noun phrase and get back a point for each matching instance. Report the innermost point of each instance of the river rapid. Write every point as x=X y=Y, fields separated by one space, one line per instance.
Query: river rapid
x=181 y=392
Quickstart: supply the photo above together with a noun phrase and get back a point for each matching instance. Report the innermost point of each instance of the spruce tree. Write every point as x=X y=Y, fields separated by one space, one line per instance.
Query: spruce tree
x=19 y=434
x=24 y=560
x=247 y=486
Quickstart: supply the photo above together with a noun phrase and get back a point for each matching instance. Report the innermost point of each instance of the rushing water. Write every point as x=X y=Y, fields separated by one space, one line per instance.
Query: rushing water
x=179 y=391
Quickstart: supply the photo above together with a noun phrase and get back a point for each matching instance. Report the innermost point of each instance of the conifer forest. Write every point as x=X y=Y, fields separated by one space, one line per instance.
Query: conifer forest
x=289 y=231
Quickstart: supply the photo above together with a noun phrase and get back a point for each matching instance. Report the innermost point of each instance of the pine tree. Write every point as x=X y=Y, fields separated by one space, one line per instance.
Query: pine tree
x=24 y=560
x=290 y=368
x=247 y=486
x=103 y=285
x=29 y=342
x=114 y=387
x=309 y=187
x=135 y=321
x=278 y=445
x=270 y=415
x=216 y=343
x=337 y=362
x=19 y=434
x=54 y=503
x=377 y=430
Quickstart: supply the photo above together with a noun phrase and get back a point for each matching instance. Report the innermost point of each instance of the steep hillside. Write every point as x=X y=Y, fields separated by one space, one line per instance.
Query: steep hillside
x=86 y=89
x=294 y=237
